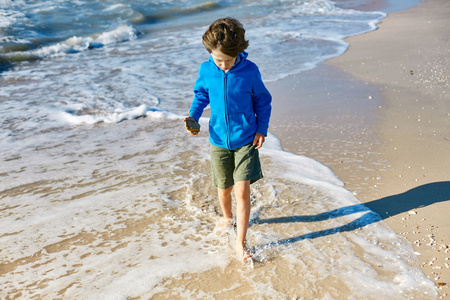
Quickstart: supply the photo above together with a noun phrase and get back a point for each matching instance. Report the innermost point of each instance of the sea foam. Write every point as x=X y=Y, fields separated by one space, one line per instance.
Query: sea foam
x=77 y=44
x=118 y=116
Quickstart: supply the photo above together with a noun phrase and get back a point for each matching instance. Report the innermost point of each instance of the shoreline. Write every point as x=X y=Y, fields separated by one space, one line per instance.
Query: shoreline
x=396 y=78
x=408 y=58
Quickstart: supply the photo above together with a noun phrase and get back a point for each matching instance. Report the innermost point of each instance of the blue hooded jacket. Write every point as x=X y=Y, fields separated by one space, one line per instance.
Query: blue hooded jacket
x=240 y=103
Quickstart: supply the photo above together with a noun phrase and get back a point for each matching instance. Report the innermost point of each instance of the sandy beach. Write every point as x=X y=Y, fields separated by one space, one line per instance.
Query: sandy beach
x=388 y=136
x=103 y=194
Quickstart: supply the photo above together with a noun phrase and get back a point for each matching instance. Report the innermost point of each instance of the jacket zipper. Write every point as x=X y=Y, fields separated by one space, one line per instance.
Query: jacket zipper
x=226 y=111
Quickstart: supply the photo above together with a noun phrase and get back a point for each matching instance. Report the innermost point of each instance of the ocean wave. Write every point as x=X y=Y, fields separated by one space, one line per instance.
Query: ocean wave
x=77 y=44
x=9 y=3
x=316 y=7
x=6 y=18
x=118 y=116
x=142 y=18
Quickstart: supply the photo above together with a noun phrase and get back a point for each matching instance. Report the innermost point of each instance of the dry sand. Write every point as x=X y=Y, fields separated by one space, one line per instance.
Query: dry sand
x=386 y=129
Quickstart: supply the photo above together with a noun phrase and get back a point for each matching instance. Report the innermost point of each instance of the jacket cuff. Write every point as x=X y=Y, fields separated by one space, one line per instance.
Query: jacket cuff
x=195 y=115
x=262 y=129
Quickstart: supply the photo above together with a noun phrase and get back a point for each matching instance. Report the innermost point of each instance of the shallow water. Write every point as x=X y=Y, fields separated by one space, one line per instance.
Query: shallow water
x=100 y=219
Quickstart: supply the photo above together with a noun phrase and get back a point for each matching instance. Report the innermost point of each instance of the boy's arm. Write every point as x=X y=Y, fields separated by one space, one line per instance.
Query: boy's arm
x=201 y=99
x=261 y=105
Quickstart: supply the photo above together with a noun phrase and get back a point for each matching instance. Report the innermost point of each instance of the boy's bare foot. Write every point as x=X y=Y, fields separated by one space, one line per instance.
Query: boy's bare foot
x=242 y=253
x=223 y=225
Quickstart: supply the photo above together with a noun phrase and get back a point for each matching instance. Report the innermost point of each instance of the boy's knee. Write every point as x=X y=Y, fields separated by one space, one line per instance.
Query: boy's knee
x=242 y=189
x=225 y=192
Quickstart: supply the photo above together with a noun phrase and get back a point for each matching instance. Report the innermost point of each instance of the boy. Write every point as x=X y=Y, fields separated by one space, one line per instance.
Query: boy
x=240 y=111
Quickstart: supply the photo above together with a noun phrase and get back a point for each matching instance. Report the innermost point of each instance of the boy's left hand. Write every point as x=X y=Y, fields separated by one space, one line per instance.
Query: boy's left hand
x=259 y=140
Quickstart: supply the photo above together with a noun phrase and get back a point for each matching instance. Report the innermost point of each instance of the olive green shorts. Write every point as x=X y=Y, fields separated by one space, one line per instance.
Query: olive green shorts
x=230 y=166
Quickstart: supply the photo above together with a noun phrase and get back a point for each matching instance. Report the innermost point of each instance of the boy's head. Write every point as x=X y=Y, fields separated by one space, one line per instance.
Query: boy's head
x=226 y=35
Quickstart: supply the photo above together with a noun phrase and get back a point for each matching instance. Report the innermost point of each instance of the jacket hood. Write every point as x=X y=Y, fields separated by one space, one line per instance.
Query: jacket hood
x=242 y=62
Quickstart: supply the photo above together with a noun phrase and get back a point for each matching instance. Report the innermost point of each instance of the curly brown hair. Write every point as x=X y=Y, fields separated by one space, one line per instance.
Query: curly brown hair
x=226 y=35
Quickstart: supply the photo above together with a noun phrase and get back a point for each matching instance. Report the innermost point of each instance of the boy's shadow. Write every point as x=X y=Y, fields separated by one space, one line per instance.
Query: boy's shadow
x=376 y=210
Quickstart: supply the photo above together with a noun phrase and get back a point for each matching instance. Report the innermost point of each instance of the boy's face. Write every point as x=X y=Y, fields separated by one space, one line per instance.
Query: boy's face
x=223 y=61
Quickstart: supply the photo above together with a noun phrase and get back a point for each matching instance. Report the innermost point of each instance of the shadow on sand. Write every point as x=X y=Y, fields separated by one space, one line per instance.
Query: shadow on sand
x=376 y=210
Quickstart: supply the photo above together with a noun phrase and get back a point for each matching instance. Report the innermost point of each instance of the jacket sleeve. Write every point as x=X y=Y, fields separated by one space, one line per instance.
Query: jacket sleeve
x=261 y=104
x=201 y=98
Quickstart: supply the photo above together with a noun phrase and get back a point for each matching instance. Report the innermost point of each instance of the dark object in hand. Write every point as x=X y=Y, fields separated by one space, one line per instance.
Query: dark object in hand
x=192 y=125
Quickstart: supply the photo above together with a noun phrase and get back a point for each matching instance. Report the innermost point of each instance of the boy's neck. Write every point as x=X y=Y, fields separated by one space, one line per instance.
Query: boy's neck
x=238 y=59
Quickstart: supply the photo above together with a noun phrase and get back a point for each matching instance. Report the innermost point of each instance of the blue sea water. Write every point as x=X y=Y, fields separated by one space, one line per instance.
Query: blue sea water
x=286 y=37
x=104 y=195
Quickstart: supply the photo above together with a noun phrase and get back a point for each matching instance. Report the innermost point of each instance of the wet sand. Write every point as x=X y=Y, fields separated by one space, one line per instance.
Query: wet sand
x=386 y=129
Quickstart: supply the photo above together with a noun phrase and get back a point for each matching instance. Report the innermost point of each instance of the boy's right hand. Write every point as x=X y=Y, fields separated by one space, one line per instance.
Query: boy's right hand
x=192 y=125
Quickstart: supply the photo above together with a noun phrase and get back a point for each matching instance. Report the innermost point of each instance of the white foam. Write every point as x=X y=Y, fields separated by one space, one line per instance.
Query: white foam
x=118 y=116
x=6 y=19
x=10 y=3
x=311 y=170
x=78 y=44
x=115 y=6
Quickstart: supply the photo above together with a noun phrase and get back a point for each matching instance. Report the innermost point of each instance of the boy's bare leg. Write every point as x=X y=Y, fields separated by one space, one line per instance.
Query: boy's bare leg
x=225 y=203
x=242 y=192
